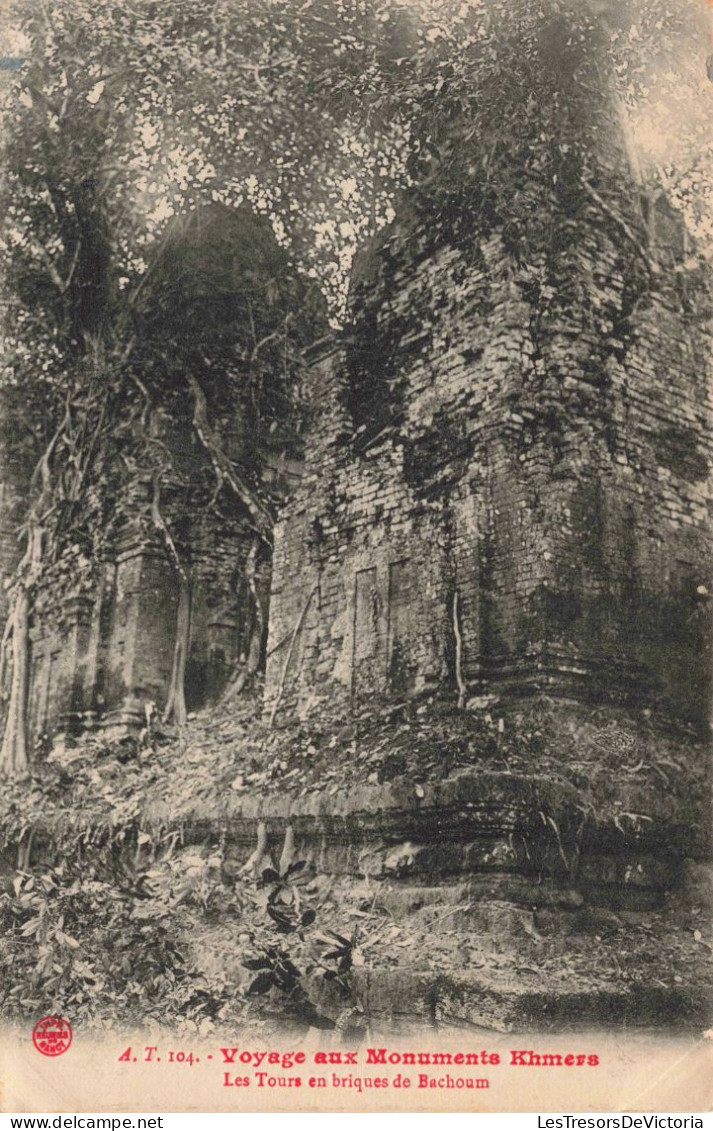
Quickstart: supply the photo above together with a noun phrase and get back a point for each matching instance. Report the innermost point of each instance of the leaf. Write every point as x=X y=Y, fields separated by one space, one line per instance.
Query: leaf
x=256 y=963
x=270 y=876
x=67 y=940
x=308 y=917
x=296 y=867
x=340 y=938
x=288 y=968
x=262 y=984
x=31 y=927
x=285 y=928
x=283 y=924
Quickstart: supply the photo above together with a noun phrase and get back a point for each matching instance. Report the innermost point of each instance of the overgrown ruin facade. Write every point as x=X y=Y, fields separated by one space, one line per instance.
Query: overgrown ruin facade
x=502 y=548
x=161 y=548
x=508 y=486
x=101 y=661
x=485 y=737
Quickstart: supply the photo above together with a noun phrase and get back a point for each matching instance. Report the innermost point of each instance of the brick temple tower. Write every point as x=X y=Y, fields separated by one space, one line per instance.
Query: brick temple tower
x=508 y=485
x=104 y=617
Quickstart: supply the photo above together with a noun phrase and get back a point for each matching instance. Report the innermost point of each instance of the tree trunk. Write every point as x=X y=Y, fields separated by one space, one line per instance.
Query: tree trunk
x=286 y=666
x=257 y=628
x=14 y=757
x=175 y=710
x=261 y=520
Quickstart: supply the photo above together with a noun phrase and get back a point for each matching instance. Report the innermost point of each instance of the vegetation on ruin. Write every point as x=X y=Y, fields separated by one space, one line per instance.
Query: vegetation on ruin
x=119 y=908
x=124 y=121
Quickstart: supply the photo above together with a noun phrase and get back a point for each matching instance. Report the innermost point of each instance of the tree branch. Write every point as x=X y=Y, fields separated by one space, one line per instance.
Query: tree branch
x=290 y=650
x=260 y=518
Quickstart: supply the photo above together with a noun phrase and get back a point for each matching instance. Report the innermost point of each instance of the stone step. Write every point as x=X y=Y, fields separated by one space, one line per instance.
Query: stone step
x=516 y=993
x=487 y=920
x=392 y=994
x=461 y=909
x=401 y=897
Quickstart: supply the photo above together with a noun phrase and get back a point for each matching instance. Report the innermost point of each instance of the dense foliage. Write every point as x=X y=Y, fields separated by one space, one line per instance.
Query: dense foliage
x=126 y=123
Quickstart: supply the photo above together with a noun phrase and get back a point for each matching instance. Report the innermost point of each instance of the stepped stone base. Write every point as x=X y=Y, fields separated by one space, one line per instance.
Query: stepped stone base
x=480 y=899
x=506 y=833
x=450 y=1000
x=470 y=909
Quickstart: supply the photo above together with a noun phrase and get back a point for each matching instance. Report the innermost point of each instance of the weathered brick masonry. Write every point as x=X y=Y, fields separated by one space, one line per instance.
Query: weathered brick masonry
x=508 y=482
x=100 y=657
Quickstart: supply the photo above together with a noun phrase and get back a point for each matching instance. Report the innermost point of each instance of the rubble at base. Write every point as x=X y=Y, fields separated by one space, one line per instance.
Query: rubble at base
x=475 y=894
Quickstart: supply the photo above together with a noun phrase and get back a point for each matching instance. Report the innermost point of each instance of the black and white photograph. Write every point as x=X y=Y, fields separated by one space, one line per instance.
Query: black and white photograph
x=356 y=555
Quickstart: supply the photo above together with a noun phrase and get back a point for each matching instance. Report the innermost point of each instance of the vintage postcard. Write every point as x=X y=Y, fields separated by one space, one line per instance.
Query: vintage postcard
x=356 y=549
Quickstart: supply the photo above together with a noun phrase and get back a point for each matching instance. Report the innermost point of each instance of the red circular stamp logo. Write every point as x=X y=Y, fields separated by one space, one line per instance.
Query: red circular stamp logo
x=52 y=1036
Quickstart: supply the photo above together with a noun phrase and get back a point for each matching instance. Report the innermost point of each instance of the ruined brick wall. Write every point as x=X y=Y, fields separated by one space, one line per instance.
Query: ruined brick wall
x=100 y=654
x=103 y=631
x=509 y=480
x=105 y=606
